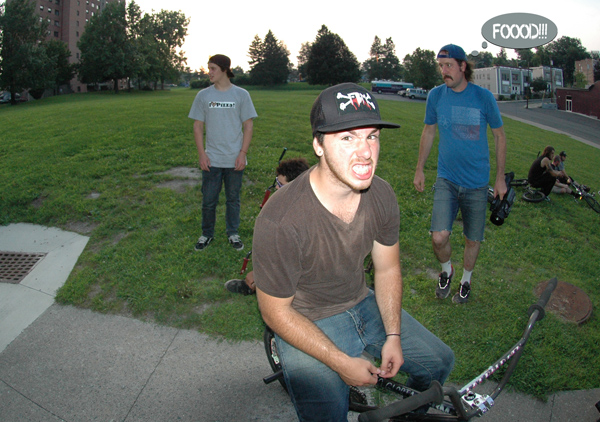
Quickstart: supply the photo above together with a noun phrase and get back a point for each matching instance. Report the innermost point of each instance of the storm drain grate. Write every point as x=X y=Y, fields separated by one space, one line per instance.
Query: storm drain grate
x=14 y=266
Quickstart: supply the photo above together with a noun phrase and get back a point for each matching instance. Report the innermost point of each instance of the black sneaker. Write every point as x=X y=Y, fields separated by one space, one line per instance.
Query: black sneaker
x=442 y=291
x=236 y=242
x=462 y=296
x=203 y=242
x=239 y=286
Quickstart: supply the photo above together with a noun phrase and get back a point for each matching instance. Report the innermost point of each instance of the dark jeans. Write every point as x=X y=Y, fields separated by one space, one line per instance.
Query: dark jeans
x=212 y=181
x=544 y=183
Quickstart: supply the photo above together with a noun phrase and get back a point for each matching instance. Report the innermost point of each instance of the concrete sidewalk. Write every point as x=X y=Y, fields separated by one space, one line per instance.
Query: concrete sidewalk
x=60 y=363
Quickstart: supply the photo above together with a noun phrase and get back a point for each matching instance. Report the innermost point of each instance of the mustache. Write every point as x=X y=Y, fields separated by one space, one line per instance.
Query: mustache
x=448 y=77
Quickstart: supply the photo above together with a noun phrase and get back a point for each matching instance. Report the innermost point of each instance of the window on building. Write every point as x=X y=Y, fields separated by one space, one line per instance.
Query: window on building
x=49 y=10
x=56 y=34
x=57 y=2
x=77 y=34
x=41 y=8
x=77 y=23
x=57 y=12
x=56 y=23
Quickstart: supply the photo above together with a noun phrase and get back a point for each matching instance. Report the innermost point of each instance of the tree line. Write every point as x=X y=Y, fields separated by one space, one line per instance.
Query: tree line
x=122 y=43
x=118 y=43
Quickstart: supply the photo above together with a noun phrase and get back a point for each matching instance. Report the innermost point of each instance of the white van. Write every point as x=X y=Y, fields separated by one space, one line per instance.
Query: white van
x=416 y=93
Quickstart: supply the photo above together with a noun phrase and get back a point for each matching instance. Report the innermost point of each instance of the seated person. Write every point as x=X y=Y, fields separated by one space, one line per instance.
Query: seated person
x=287 y=171
x=559 y=186
x=541 y=175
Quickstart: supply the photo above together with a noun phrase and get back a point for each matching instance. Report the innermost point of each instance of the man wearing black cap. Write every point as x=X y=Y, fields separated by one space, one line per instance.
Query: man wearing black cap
x=461 y=111
x=227 y=113
x=309 y=246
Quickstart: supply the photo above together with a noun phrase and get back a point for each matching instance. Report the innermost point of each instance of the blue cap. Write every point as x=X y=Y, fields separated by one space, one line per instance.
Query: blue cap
x=452 y=51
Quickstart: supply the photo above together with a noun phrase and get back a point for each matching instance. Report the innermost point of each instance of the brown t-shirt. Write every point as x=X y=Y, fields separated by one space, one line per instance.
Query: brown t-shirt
x=301 y=249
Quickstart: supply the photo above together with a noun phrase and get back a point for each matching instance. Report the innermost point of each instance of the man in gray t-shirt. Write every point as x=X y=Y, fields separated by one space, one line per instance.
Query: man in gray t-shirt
x=226 y=112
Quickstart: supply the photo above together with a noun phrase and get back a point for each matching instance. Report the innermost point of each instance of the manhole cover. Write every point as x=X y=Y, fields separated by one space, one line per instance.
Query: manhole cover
x=14 y=266
x=568 y=302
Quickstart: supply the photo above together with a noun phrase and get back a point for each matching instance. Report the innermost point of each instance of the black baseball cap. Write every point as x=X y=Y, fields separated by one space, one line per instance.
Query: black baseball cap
x=346 y=106
x=223 y=62
x=563 y=154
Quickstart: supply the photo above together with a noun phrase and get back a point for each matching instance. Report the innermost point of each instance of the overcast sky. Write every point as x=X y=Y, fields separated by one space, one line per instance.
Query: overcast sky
x=228 y=27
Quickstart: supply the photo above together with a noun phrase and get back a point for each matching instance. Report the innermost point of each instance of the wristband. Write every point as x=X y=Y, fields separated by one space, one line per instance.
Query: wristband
x=387 y=335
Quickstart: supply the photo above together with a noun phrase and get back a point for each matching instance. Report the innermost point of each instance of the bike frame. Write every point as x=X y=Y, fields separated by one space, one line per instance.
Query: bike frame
x=464 y=403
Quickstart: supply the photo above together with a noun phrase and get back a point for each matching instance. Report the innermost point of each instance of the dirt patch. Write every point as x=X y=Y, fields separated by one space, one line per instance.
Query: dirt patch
x=81 y=227
x=186 y=177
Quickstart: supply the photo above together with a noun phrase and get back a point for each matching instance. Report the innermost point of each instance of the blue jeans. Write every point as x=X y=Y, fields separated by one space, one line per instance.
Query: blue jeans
x=319 y=394
x=212 y=182
x=447 y=200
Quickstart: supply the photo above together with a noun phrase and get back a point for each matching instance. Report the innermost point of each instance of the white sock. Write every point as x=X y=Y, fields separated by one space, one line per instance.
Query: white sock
x=466 y=278
x=447 y=267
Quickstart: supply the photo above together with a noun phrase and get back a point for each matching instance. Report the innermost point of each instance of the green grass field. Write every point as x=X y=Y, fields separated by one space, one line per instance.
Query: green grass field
x=96 y=163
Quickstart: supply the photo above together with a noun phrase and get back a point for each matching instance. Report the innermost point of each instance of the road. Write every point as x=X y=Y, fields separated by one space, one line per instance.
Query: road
x=579 y=127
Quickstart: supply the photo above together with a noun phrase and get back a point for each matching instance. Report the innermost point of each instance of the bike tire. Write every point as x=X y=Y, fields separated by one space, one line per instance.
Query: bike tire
x=592 y=203
x=272 y=355
x=519 y=182
x=532 y=195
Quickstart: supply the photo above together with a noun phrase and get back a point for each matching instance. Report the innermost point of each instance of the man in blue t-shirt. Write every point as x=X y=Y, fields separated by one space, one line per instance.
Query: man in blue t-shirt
x=461 y=111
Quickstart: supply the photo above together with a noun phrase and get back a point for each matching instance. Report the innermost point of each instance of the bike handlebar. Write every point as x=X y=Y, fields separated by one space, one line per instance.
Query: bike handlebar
x=434 y=394
x=544 y=297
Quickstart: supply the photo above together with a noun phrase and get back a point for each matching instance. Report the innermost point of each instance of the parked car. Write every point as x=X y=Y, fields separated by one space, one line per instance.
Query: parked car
x=5 y=97
x=416 y=93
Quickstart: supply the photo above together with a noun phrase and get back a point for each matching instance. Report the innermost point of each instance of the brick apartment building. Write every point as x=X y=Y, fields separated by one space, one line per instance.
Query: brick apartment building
x=587 y=68
x=583 y=101
x=66 y=22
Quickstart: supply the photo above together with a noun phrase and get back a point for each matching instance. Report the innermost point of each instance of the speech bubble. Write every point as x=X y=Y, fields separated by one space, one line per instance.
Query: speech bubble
x=519 y=30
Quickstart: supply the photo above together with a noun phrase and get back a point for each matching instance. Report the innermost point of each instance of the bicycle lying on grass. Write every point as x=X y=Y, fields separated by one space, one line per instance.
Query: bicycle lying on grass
x=583 y=192
x=449 y=404
x=530 y=194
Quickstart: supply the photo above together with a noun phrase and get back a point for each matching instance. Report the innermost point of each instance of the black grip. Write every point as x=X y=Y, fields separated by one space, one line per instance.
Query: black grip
x=273 y=377
x=434 y=394
x=543 y=300
x=282 y=154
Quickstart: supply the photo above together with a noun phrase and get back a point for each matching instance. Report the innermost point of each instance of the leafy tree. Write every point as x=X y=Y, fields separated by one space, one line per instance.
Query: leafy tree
x=501 y=58
x=481 y=60
x=170 y=29
x=526 y=57
x=383 y=63
x=422 y=69
x=539 y=85
x=302 y=57
x=269 y=61
x=106 y=53
x=24 y=59
x=580 y=80
x=155 y=39
x=564 y=53
x=58 y=53
x=330 y=61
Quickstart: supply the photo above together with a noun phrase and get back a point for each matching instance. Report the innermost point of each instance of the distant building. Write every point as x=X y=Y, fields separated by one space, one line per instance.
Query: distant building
x=503 y=81
x=66 y=22
x=584 y=101
x=587 y=68
x=552 y=75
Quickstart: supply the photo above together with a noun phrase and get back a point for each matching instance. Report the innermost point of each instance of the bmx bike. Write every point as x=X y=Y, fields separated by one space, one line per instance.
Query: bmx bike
x=529 y=195
x=449 y=403
x=583 y=192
